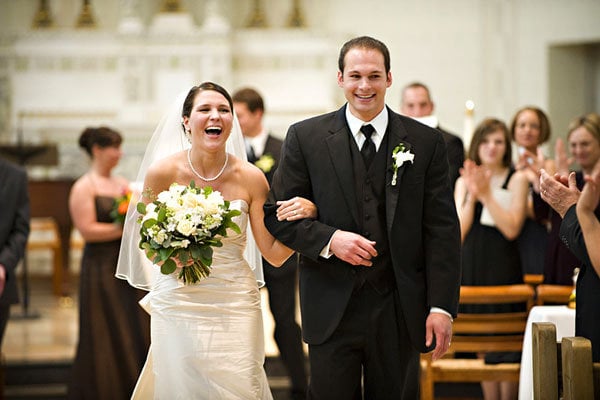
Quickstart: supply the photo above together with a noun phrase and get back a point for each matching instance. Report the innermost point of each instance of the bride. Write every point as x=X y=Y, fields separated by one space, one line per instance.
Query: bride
x=206 y=338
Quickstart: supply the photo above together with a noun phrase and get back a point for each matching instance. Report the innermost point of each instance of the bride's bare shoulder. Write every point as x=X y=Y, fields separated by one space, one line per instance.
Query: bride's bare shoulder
x=165 y=168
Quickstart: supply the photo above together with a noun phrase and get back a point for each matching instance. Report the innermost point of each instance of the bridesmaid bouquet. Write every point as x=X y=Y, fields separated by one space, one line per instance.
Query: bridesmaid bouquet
x=181 y=227
x=120 y=206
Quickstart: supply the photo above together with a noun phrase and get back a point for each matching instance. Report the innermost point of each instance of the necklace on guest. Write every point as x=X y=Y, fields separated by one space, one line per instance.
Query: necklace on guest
x=200 y=176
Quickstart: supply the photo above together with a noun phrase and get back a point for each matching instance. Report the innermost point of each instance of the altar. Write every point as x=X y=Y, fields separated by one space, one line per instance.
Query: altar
x=59 y=81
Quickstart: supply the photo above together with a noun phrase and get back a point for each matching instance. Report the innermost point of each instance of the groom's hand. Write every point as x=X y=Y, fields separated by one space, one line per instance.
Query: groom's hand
x=352 y=248
x=440 y=326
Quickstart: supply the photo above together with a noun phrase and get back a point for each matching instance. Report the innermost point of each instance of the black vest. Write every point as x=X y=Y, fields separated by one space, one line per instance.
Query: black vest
x=370 y=199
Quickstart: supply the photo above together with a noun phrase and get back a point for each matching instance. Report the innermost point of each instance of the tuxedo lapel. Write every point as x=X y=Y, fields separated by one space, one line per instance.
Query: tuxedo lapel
x=396 y=134
x=339 y=143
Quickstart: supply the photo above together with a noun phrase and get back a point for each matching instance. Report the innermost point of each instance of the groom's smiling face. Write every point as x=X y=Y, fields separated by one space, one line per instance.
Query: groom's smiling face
x=364 y=81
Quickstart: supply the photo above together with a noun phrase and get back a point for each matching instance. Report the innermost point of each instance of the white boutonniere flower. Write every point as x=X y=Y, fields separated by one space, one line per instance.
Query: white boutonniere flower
x=400 y=154
x=265 y=163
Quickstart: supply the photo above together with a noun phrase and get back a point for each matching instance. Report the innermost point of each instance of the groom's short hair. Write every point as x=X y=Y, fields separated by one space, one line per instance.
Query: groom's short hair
x=365 y=42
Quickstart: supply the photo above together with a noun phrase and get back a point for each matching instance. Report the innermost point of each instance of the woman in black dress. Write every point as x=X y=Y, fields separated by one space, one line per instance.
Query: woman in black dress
x=491 y=200
x=113 y=329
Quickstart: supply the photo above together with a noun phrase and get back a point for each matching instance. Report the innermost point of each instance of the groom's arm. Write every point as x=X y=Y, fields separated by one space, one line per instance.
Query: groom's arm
x=292 y=178
x=441 y=235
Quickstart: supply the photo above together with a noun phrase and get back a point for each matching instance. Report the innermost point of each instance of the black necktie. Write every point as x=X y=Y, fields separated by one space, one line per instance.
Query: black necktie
x=368 y=147
x=251 y=154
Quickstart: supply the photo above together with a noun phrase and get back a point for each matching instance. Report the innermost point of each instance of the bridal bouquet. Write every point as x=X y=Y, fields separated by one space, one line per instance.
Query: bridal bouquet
x=182 y=225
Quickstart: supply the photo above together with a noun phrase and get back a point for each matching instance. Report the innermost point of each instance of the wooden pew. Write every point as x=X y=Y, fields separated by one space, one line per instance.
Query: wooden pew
x=44 y=235
x=581 y=377
x=545 y=357
x=533 y=279
x=552 y=294
x=474 y=333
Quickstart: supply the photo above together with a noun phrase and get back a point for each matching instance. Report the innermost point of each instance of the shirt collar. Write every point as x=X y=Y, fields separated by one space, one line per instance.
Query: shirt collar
x=380 y=123
x=257 y=142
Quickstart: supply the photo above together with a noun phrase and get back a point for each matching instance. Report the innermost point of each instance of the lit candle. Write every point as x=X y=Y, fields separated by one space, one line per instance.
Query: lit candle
x=469 y=123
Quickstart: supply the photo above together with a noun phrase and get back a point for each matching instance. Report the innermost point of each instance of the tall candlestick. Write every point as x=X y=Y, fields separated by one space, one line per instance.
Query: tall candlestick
x=42 y=18
x=469 y=123
x=86 y=17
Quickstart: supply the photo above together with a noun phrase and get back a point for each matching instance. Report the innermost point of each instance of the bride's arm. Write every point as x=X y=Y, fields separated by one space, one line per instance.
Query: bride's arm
x=275 y=252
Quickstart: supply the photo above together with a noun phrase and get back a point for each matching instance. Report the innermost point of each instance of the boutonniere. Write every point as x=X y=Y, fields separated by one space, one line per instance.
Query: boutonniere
x=400 y=154
x=265 y=163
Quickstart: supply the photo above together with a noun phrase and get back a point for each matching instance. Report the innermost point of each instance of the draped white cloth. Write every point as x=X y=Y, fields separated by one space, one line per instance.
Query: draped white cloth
x=207 y=338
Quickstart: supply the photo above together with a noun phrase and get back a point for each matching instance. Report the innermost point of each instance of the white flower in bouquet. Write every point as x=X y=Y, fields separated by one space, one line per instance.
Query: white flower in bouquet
x=182 y=225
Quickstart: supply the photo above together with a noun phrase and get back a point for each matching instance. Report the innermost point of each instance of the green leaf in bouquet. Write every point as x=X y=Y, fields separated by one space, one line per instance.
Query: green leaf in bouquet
x=162 y=214
x=183 y=256
x=149 y=223
x=141 y=208
x=203 y=254
x=165 y=253
x=168 y=267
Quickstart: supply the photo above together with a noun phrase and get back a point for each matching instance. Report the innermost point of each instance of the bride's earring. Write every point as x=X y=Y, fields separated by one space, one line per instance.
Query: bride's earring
x=188 y=136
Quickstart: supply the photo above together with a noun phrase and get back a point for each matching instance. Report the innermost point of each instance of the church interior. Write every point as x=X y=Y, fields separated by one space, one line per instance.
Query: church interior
x=69 y=64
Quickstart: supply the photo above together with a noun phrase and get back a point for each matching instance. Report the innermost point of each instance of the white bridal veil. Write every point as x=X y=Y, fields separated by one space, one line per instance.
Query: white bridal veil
x=168 y=138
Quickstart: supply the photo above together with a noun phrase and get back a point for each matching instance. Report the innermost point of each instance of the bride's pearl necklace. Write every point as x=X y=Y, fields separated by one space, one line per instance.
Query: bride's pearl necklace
x=200 y=176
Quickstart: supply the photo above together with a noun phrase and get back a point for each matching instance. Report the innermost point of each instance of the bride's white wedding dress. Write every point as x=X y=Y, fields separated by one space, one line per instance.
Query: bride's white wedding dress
x=207 y=338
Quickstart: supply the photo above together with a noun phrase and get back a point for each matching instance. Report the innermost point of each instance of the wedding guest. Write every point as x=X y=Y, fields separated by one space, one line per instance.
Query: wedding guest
x=14 y=230
x=530 y=128
x=207 y=337
x=263 y=150
x=579 y=212
x=579 y=231
x=583 y=140
x=416 y=103
x=380 y=266
x=113 y=328
x=586 y=206
x=588 y=251
x=491 y=200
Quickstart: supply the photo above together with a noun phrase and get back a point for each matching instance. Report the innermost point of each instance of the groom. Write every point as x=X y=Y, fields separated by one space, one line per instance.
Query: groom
x=380 y=266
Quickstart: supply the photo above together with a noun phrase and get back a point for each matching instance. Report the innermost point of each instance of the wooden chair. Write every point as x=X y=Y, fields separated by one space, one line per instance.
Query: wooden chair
x=533 y=279
x=476 y=333
x=44 y=235
x=581 y=377
x=553 y=294
x=546 y=360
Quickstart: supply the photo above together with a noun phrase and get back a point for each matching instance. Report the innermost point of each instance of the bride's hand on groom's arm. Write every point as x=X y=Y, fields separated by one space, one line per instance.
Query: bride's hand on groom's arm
x=352 y=248
x=295 y=209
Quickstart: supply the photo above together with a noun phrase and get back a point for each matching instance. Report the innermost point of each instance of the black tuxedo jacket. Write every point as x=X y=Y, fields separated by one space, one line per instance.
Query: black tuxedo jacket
x=421 y=221
x=14 y=224
x=587 y=312
x=456 y=154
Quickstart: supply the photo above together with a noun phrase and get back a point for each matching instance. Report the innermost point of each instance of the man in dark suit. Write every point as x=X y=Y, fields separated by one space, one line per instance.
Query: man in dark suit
x=380 y=266
x=14 y=230
x=578 y=220
x=416 y=103
x=264 y=150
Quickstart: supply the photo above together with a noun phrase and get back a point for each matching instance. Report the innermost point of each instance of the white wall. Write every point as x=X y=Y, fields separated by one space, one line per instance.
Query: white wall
x=495 y=52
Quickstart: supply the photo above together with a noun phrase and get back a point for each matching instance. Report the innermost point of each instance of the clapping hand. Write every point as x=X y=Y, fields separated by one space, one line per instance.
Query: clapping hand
x=590 y=195
x=477 y=179
x=531 y=164
x=559 y=191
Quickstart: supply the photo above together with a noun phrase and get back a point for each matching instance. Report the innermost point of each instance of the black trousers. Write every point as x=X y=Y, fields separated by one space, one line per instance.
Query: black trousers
x=371 y=346
x=281 y=286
